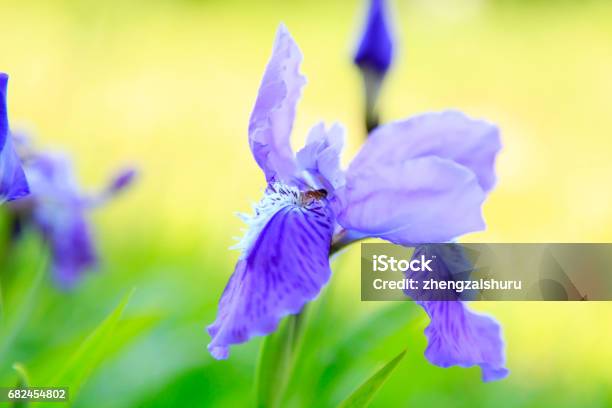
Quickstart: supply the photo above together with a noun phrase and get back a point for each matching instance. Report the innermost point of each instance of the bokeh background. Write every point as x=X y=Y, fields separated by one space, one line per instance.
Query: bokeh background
x=168 y=86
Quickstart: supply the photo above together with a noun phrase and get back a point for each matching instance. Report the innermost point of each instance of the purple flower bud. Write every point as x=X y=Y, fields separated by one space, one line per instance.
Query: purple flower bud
x=375 y=50
x=373 y=57
x=123 y=179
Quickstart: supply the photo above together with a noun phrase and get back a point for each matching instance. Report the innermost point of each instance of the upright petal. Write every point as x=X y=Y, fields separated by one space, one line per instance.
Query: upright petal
x=274 y=112
x=449 y=135
x=458 y=336
x=4 y=125
x=286 y=268
x=13 y=184
x=375 y=49
x=427 y=199
x=321 y=156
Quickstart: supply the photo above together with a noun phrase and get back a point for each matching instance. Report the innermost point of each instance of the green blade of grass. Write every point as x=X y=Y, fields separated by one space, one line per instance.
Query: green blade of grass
x=88 y=355
x=363 y=396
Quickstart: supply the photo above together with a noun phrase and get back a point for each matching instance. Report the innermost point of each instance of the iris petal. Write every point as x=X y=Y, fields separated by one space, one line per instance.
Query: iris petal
x=274 y=112
x=459 y=336
x=456 y=335
x=449 y=135
x=448 y=262
x=60 y=213
x=427 y=199
x=13 y=184
x=4 y=125
x=72 y=247
x=286 y=268
x=321 y=156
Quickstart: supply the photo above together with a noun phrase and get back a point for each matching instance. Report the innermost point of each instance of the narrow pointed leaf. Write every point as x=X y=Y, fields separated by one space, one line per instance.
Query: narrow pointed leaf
x=89 y=354
x=358 y=340
x=363 y=396
x=276 y=360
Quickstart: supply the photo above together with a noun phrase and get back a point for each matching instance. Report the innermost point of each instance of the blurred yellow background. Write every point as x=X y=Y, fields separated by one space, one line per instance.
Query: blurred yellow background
x=169 y=86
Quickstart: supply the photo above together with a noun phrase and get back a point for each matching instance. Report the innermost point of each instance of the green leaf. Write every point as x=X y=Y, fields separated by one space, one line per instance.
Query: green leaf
x=363 y=396
x=277 y=357
x=22 y=310
x=370 y=332
x=89 y=354
x=23 y=381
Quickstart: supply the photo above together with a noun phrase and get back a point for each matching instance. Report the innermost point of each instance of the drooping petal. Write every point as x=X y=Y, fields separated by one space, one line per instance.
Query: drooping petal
x=60 y=213
x=284 y=269
x=461 y=337
x=321 y=156
x=13 y=184
x=427 y=199
x=375 y=49
x=274 y=112
x=447 y=262
x=449 y=135
x=456 y=335
x=72 y=246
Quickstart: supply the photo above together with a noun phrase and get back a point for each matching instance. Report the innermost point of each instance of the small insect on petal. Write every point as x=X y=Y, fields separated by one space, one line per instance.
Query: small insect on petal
x=307 y=197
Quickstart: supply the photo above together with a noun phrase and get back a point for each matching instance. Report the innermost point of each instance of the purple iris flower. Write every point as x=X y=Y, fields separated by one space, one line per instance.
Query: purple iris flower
x=58 y=210
x=418 y=180
x=13 y=184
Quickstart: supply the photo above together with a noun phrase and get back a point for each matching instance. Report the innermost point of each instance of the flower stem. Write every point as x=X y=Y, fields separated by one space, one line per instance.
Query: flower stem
x=341 y=240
